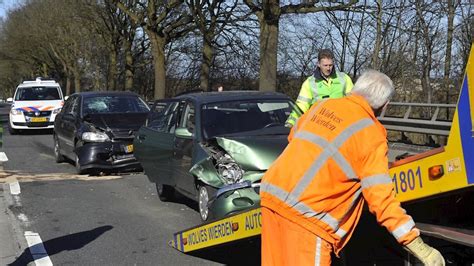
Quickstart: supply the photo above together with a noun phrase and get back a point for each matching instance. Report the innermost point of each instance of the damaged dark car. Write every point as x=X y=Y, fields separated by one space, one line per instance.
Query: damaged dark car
x=213 y=147
x=96 y=130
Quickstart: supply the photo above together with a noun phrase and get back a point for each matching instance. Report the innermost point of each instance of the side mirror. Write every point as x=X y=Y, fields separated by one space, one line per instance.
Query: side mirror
x=182 y=132
x=9 y=100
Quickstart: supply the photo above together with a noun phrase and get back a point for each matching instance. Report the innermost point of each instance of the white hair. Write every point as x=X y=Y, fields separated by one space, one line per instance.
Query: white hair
x=375 y=87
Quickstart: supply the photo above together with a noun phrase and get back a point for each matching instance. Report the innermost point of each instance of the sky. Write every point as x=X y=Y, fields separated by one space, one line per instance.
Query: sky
x=5 y=5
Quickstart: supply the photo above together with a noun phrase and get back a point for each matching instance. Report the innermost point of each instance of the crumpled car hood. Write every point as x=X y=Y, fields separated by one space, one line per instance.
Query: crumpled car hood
x=254 y=153
x=121 y=126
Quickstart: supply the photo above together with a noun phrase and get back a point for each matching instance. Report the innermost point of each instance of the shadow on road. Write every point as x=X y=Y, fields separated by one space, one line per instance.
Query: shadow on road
x=57 y=245
x=181 y=199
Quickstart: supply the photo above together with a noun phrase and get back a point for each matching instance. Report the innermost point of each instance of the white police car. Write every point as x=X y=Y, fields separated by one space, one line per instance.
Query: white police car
x=35 y=105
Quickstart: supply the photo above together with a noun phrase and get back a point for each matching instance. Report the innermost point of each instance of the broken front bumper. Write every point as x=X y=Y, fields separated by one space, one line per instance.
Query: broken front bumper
x=107 y=156
x=235 y=198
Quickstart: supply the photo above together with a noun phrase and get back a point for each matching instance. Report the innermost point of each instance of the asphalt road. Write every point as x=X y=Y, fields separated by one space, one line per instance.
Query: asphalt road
x=105 y=220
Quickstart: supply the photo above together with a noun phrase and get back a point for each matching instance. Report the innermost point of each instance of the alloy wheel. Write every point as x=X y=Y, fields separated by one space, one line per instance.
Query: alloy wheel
x=57 y=154
x=203 y=203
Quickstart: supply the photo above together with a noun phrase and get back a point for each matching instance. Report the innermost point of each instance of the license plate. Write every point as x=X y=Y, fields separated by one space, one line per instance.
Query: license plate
x=39 y=119
x=129 y=148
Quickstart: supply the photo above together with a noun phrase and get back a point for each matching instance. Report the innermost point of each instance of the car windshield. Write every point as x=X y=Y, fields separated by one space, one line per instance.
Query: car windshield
x=37 y=94
x=239 y=116
x=114 y=104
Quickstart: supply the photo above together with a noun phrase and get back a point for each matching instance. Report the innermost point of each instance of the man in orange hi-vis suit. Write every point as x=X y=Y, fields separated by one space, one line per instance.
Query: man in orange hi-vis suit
x=313 y=194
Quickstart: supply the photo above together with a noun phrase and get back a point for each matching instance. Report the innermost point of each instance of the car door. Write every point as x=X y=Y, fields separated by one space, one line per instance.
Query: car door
x=61 y=125
x=70 y=122
x=183 y=151
x=153 y=145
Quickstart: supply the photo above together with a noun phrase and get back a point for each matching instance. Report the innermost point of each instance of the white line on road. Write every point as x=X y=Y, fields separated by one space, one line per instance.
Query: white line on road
x=3 y=157
x=15 y=188
x=37 y=250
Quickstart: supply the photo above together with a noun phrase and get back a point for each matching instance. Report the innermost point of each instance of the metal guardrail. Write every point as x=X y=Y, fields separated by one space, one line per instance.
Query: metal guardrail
x=418 y=118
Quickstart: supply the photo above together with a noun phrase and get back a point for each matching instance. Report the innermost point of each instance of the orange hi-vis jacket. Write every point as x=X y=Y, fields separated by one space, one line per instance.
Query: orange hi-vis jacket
x=336 y=158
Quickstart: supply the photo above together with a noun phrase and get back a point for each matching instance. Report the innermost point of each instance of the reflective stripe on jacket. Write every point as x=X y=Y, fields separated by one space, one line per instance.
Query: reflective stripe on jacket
x=336 y=158
x=314 y=89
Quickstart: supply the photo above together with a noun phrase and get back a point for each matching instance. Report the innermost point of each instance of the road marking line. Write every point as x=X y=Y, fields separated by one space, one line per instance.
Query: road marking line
x=15 y=188
x=37 y=250
x=3 y=157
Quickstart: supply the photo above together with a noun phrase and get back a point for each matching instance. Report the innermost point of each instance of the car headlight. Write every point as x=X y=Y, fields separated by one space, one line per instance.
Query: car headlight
x=229 y=171
x=95 y=137
x=55 y=111
x=16 y=111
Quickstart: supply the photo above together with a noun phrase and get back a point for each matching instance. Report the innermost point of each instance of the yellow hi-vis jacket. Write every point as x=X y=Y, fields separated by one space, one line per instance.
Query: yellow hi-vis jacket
x=316 y=88
x=336 y=158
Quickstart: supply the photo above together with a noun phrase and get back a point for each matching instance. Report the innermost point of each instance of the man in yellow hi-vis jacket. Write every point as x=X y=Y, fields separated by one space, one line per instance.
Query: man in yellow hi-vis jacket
x=326 y=82
x=313 y=195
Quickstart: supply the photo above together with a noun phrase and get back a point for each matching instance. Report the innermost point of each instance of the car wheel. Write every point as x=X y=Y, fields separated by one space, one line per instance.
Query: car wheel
x=165 y=192
x=203 y=200
x=57 y=153
x=78 y=165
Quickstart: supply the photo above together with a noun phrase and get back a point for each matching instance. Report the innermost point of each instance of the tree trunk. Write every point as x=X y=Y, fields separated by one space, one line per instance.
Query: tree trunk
x=68 y=80
x=77 y=80
x=428 y=56
x=268 y=55
x=207 y=54
x=129 y=70
x=158 y=52
x=112 y=75
x=44 y=70
x=449 y=45
x=378 y=37
x=358 y=42
x=68 y=85
x=425 y=80
x=342 y=62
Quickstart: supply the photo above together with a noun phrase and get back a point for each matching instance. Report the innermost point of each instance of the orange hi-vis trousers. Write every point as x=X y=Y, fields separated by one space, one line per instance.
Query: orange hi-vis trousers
x=287 y=243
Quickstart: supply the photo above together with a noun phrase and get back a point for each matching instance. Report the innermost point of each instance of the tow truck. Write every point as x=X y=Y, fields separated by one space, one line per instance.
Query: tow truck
x=435 y=186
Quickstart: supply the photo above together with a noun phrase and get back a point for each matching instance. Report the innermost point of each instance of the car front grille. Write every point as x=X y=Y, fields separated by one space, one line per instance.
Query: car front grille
x=37 y=124
x=40 y=114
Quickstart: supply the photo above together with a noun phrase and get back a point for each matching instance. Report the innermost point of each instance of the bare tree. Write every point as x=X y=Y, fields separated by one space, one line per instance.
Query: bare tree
x=211 y=18
x=109 y=22
x=268 y=13
x=429 y=30
x=451 y=7
x=162 y=21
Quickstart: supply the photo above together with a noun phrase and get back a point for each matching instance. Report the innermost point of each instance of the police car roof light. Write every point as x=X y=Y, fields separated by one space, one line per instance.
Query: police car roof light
x=38 y=80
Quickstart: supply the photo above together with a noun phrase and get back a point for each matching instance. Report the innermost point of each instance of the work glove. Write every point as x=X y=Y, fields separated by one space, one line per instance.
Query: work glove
x=426 y=254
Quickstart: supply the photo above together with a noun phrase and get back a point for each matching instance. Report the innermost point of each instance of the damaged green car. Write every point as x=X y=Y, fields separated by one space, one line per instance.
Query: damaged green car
x=213 y=147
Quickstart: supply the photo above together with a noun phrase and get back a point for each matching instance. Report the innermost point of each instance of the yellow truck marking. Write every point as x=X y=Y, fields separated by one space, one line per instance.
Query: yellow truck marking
x=232 y=228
